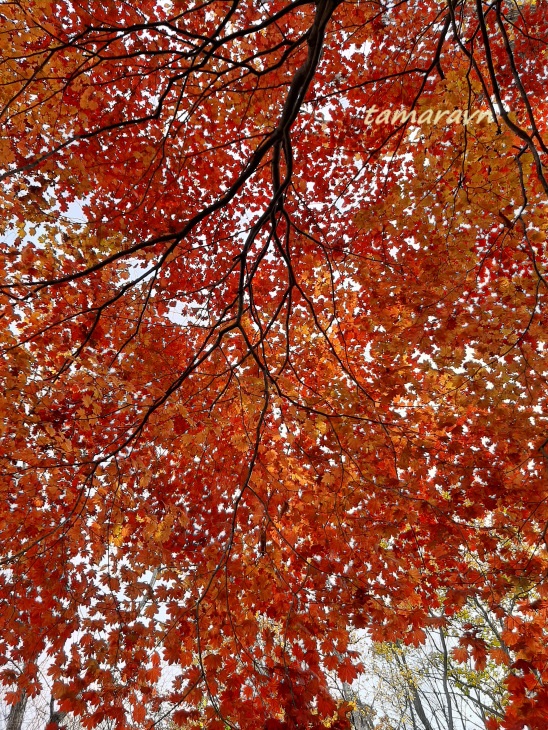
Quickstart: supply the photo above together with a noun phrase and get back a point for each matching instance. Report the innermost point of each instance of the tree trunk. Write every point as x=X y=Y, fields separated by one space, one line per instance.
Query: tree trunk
x=17 y=713
x=55 y=717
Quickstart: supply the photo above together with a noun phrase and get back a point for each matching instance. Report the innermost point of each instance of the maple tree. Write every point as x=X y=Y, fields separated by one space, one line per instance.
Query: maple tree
x=271 y=373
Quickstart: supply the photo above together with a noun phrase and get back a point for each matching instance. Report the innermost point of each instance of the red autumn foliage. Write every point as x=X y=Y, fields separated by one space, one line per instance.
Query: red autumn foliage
x=270 y=374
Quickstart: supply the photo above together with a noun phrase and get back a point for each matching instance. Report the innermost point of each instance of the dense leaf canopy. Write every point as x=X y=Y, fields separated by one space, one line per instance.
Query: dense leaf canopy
x=274 y=367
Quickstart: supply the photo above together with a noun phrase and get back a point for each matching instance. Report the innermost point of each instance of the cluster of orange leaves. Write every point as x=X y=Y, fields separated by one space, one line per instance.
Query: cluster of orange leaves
x=269 y=375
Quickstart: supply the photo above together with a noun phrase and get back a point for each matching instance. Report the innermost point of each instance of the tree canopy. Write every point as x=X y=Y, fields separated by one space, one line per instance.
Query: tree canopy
x=274 y=356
